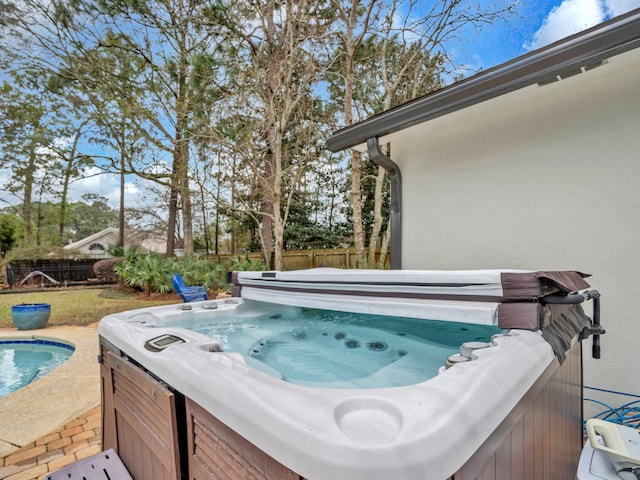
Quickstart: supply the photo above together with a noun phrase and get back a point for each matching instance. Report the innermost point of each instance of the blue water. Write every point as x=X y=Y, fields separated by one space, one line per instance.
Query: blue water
x=331 y=349
x=24 y=361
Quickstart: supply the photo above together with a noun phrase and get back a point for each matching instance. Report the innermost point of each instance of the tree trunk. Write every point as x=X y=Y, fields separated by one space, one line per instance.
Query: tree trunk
x=187 y=218
x=356 y=203
x=278 y=219
x=173 y=207
x=28 y=192
x=121 y=207
x=122 y=184
x=278 y=233
x=377 y=215
x=351 y=46
x=384 y=247
x=66 y=180
x=266 y=234
x=232 y=239
x=185 y=198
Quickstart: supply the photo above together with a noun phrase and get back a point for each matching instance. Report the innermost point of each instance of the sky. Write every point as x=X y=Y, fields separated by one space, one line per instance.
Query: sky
x=106 y=185
x=538 y=23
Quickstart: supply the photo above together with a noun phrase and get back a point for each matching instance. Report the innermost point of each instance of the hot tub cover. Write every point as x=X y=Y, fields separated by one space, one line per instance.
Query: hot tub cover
x=507 y=298
x=478 y=285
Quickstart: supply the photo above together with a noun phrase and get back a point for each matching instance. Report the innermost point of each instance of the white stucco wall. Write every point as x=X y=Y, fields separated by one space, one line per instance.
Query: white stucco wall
x=543 y=178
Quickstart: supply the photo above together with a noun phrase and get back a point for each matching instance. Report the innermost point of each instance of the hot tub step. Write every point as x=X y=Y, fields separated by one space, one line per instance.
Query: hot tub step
x=102 y=466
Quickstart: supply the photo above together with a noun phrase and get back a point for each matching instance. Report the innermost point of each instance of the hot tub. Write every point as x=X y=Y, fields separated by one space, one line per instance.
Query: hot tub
x=228 y=408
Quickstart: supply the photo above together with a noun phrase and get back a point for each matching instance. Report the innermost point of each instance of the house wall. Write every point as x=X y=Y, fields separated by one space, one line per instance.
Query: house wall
x=547 y=177
x=106 y=240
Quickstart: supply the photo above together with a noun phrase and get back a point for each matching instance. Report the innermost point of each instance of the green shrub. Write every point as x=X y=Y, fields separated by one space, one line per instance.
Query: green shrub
x=152 y=272
x=243 y=263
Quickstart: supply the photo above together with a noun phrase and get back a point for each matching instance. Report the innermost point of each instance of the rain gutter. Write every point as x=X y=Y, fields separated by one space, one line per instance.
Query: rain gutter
x=375 y=153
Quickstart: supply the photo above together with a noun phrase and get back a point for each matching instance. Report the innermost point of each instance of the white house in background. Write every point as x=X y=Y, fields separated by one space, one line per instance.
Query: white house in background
x=97 y=245
x=533 y=164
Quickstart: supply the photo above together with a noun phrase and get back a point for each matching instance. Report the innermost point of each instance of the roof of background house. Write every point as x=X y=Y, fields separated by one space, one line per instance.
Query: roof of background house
x=143 y=240
x=92 y=238
x=565 y=58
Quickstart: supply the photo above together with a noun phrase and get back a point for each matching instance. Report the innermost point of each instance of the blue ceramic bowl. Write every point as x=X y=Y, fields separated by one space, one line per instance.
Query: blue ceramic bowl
x=29 y=316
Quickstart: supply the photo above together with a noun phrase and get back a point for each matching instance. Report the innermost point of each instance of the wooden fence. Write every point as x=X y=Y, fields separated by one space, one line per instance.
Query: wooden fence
x=301 y=259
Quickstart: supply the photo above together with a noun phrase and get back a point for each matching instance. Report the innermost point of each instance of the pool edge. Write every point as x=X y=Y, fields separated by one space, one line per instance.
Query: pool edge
x=65 y=393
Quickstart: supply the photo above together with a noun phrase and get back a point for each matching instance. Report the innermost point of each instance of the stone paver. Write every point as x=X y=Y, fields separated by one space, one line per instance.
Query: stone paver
x=75 y=441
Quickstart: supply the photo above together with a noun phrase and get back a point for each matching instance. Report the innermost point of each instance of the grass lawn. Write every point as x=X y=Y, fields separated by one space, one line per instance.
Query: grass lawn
x=80 y=306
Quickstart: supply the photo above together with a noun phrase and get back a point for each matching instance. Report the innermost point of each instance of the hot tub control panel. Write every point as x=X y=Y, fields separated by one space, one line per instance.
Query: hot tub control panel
x=158 y=344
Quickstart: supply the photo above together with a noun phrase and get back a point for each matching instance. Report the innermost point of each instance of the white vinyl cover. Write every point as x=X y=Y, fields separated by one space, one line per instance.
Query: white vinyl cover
x=458 y=282
x=383 y=292
x=423 y=431
x=451 y=277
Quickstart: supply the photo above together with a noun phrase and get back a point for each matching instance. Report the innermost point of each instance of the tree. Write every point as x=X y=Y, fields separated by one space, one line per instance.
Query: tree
x=277 y=43
x=10 y=231
x=165 y=39
x=169 y=39
x=28 y=112
x=90 y=216
x=398 y=47
x=83 y=219
x=67 y=165
x=356 y=18
x=101 y=81
x=221 y=104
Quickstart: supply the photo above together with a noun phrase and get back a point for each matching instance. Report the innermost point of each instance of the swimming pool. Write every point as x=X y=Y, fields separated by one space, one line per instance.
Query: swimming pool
x=24 y=360
x=283 y=382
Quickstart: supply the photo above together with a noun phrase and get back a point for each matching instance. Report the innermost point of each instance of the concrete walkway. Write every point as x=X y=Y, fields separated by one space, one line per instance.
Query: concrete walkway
x=52 y=420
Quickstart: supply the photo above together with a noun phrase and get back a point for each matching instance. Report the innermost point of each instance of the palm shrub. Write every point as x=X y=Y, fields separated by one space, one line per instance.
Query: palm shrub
x=146 y=272
x=201 y=271
x=152 y=272
x=125 y=268
x=243 y=263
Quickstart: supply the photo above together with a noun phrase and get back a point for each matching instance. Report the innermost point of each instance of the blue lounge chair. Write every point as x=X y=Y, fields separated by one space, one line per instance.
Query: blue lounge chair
x=188 y=294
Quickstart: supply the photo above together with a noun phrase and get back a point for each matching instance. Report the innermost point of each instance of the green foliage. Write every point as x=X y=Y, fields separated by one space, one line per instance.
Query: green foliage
x=152 y=272
x=243 y=263
x=82 y=220
x=200 y=271
x=10 y=231
x=86 y=219
x=116 y=250
x=303 y=231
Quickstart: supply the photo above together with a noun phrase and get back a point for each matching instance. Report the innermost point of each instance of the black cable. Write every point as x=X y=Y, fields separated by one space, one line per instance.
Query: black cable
x=633 y=470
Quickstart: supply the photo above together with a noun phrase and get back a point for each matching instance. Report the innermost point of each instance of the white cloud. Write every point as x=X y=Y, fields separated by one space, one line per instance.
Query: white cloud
x=618 y=7
x=106 y=185
x=571 y=16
